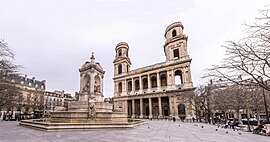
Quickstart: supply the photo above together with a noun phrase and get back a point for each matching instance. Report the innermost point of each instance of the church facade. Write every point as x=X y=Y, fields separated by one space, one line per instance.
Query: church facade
x=160 y=90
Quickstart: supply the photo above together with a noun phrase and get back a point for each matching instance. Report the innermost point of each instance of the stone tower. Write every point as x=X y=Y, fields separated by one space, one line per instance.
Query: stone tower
x=176 y=42
x=175 y=49
x=91 y=81
x=121 y=62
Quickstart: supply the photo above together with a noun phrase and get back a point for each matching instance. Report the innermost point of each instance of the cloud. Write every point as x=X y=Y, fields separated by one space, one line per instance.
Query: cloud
x=52 y=39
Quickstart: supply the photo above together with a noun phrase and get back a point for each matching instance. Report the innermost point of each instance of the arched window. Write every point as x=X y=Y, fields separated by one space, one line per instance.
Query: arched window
x=119 y=52
x=154 y=82
x=181 y=109
x=137 y=85
x=163 y=79
x=145 y=83
x=178 y=77
x=119 y=68
x=173 y=33
x=120 y=87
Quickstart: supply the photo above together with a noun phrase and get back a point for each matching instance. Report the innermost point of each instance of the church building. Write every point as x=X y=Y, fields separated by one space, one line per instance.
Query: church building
x=161 y=90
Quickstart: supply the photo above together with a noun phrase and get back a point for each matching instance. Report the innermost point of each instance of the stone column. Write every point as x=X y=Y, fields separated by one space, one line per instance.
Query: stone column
x=158 y=81
x=123 y=87
x=175 y=106
x=92 y=82
x=140 y=83
x=101 y=84
x=133 y=108
x=126 y=106
x=173 y=78
x=159 y=107
x=149 y=82
x=184 y=75
x=115 y=89
x=133 y=86
x=168 y=78
x=141 y=108
x=92 y=85
x=81 y=82
x=189 y=75
x=150 y=109
x=171 y=105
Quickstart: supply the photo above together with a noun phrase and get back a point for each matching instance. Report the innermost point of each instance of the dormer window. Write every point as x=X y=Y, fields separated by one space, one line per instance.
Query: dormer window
x=173 y=33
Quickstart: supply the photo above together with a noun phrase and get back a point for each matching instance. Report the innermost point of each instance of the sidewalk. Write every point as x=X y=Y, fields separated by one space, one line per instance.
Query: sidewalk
x=152 y=131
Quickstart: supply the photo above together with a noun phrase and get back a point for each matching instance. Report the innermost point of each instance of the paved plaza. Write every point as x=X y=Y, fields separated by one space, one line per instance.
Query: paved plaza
x=152 y=131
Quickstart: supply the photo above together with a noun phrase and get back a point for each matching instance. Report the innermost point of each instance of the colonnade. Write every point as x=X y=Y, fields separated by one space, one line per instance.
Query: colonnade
x=146 y=83
x=152 y=107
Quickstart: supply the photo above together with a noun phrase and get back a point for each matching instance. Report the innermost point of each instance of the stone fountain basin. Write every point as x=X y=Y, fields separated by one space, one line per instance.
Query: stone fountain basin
x=84 y=115
x=80 y=124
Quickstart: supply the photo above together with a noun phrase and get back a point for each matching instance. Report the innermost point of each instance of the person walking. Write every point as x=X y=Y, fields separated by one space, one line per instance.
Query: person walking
x=174 y=119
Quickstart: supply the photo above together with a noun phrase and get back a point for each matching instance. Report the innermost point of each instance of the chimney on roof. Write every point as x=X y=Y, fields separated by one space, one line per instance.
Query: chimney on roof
x=33 y=78
x=25 y=77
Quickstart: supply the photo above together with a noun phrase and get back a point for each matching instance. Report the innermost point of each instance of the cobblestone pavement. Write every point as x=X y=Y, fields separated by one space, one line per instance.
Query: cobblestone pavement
x=152 y=131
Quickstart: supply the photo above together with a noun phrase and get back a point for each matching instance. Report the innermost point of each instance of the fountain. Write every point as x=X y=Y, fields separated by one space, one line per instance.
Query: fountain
x=90 y=111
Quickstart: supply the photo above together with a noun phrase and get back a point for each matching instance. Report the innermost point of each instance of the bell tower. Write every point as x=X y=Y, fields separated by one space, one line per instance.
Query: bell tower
x=175 y=49
x=175 y=46
x=121 y=62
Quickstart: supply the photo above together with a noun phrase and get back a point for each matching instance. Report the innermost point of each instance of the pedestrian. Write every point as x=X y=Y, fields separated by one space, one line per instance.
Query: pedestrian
x=193 y=119
x=229 y=124
x=174 y=119
x=4 y=117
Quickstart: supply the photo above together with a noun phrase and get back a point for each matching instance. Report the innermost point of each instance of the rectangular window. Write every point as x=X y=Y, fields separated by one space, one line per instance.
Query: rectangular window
x=176 y=53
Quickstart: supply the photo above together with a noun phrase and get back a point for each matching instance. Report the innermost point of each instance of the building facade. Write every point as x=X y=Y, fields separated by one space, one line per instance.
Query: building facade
x=159 y=90
x=57 y=100
x=26 y=98
x=237 y=99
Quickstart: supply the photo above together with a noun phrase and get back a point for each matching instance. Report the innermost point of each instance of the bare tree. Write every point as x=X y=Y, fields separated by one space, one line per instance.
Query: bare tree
x=257 y=100
x=200 y=101
x=8 y=71
x=248 y=57
x=220 y=100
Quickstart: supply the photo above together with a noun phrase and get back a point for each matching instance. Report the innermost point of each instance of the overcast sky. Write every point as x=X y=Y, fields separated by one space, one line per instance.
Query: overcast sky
x=53 y=38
